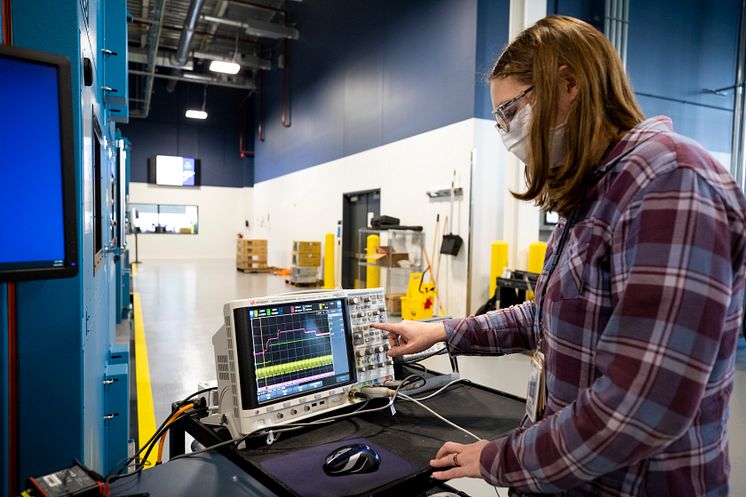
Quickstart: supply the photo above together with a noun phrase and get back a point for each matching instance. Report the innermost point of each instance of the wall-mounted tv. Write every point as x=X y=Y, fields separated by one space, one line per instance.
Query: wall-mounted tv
x=38 y=204
x=171 y=170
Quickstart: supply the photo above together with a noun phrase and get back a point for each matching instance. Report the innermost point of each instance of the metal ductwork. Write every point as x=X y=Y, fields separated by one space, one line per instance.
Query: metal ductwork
x=185 y=41
x=154 y=37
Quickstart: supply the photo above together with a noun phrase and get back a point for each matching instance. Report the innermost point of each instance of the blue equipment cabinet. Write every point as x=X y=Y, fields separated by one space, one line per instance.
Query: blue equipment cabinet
x=114 y=50
x=73 y=397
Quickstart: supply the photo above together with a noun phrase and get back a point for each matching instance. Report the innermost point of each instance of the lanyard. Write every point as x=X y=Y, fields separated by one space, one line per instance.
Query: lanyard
x=555 y=260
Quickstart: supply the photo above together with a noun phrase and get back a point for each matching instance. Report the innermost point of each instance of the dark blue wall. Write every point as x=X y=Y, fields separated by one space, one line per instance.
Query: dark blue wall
x=365 y=73
x=215 y=140
x=677 y=49
x=492 y=36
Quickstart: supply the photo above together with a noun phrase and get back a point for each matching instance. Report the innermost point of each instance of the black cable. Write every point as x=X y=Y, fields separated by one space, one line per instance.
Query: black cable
x=152 y=439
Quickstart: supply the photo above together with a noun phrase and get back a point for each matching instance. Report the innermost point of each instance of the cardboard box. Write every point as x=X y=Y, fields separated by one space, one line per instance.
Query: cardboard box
x=251 y=241
x=252 y=266
x=393 y=303
x=306 y=259
x=307 y=247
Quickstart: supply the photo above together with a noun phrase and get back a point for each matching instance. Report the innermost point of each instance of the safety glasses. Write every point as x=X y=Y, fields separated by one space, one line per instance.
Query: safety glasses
x=505 y=111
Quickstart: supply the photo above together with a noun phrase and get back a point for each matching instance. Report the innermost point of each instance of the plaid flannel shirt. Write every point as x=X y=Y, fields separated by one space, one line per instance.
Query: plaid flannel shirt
x=640 y=323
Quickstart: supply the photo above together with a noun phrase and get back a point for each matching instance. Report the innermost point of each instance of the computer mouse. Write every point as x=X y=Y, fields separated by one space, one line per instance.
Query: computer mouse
x=352 y=459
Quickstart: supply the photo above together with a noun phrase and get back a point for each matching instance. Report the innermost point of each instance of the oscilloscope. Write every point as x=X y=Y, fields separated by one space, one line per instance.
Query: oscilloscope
x=286 y=358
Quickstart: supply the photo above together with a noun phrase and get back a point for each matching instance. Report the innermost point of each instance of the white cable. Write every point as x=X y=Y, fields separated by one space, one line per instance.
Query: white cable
x=416 y=401
x=438 y=391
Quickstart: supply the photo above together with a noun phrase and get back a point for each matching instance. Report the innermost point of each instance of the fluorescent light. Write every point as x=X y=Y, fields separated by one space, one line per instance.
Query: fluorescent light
x=196 y=114
x=224 y=67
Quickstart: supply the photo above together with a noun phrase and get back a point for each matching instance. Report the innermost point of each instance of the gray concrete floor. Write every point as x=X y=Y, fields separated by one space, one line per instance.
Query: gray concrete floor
x=182 y=306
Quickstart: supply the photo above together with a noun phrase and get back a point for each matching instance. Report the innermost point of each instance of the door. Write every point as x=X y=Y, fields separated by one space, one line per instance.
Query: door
x=357 y=211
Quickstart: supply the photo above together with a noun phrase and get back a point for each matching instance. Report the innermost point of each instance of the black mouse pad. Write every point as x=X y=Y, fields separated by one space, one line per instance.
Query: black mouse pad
x=303 y=471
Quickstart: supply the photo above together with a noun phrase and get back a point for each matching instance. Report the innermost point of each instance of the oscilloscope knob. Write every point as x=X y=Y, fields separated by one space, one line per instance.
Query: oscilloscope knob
x=360 y=352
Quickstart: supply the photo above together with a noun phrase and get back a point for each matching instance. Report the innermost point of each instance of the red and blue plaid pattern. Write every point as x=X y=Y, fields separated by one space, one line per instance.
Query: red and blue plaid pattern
x=640 y=324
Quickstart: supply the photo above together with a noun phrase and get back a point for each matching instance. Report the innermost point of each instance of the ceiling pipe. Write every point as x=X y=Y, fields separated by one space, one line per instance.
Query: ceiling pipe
x=185 y=41
x=174 y=27
x=257 y=28
x=250 y=61
x=199 y=79
x=154 y=41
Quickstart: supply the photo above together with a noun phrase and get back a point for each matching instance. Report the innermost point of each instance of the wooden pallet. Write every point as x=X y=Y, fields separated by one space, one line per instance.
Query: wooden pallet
x=254 y=270
x=303 y=284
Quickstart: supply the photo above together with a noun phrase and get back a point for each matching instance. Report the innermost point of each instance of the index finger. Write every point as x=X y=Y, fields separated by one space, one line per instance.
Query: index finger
x=385 y=326
x=449 y=448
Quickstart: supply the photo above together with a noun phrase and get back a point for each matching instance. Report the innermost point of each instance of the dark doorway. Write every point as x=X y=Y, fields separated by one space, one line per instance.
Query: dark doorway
x=357 y=211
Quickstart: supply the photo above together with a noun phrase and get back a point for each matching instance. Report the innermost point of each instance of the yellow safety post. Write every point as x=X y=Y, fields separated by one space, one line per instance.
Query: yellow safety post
x=329 y=283
x=536 y=253
x=498 y=263
x=372 y=274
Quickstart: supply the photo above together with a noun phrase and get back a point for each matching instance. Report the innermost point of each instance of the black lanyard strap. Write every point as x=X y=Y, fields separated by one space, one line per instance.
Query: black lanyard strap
x=555 y=260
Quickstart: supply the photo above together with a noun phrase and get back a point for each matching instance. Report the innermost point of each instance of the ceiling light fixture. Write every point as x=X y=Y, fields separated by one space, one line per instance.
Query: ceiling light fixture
x=224 y=67
x=227 y=67
x=198 y=114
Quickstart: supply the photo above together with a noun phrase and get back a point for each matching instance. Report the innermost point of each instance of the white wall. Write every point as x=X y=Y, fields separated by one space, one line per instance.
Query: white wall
x=488 y=199
x=307 y=204
x=222 y=212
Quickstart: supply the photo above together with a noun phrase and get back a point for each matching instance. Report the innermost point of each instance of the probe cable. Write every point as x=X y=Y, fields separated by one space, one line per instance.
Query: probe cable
x=297 y=426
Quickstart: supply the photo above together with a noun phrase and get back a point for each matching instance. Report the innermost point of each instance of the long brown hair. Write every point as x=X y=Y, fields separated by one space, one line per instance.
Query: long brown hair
x=604 y=109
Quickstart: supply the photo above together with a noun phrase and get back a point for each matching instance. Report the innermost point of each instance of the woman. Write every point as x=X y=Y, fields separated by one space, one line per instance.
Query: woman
x=638 y=306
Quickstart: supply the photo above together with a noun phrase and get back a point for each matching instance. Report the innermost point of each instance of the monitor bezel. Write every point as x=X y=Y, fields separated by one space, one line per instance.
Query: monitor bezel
x=70 y=265
x=246 y=371
x=153 y=166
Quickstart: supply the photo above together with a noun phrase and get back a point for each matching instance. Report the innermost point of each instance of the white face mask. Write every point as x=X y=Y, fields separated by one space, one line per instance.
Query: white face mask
x=516 y=140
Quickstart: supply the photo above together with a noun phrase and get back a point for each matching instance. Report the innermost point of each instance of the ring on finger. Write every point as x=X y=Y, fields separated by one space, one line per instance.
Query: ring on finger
x=455 y=459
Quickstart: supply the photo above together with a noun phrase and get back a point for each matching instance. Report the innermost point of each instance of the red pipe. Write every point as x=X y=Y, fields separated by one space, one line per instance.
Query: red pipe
x=7 y=24
x=7 y=38
x=286 y=119
x=12 y=389
x=284 y=97
x=260 y=98
x=242 y=133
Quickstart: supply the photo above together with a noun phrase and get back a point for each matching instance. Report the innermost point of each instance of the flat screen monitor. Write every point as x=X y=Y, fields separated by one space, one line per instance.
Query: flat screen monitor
x=38 y=206
x=291 y=350
x=171 y=170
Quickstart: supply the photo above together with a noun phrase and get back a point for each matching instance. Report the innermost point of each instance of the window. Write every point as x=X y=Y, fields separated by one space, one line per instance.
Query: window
x=164 y=218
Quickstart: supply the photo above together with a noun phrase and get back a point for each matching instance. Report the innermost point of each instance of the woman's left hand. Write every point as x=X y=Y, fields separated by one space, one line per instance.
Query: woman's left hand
x=462 y=459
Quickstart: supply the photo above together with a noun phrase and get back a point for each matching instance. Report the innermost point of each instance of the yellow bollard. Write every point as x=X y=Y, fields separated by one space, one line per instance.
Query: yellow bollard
x=536 y=253
x=329 y=262
x=498 y=263
x=372 y=274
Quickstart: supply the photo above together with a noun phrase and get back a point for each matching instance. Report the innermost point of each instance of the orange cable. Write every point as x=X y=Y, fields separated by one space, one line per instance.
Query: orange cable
x=171 y=420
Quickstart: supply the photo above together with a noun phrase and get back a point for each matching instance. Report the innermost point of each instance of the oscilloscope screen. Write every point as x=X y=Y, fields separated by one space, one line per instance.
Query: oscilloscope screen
x=293 y=350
